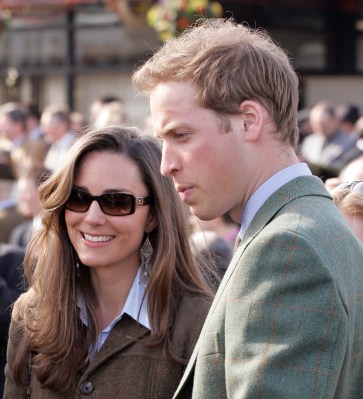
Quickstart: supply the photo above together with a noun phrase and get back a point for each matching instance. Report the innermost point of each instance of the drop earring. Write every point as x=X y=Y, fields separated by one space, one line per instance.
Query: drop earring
x=146 y=252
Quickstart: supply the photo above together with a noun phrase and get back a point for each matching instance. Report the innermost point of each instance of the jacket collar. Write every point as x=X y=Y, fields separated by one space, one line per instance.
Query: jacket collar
x=126 y=332
x=299 y=187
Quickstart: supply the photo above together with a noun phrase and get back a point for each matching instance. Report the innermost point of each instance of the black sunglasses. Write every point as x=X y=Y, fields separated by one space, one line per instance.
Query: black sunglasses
x=113 y=204
x=355 y=186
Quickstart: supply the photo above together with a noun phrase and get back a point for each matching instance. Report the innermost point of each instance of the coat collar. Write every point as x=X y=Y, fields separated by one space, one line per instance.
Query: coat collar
x=123 y=334
x=299 y=187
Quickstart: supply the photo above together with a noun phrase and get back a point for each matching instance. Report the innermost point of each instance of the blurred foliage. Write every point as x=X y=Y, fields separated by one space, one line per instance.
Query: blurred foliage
x=171 y=17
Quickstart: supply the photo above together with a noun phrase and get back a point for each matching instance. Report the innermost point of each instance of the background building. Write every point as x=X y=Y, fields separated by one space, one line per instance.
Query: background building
x=74 y=51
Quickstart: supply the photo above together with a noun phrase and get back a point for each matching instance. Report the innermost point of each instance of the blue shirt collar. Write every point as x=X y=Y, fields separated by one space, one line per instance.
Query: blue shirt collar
x=266 y=189
x=135 y=306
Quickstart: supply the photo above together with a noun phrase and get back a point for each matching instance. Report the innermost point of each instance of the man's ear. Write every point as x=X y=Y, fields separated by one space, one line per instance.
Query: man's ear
x=252 y=114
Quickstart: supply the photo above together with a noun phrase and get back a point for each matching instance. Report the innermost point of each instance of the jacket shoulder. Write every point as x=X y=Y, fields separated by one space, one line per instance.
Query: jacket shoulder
x=189 y=319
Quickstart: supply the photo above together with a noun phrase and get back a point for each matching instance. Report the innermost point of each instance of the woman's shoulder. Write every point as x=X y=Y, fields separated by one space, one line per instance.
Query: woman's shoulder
x=189 y=319
x=191 y=313
x=194 y=306
x=19 y=306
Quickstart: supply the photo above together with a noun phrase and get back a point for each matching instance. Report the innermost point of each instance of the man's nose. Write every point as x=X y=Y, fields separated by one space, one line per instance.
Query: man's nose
x=169 y=162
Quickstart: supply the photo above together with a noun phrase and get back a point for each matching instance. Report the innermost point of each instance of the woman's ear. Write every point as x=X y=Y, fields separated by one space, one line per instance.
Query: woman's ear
x=152 y=222
x=252 y=114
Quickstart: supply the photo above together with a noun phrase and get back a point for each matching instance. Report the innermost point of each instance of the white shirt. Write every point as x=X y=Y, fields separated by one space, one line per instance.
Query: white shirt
x=275 y=182
x=134 y=306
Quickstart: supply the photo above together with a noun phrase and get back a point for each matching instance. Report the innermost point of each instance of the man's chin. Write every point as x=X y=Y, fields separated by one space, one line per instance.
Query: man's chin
x=202 y=214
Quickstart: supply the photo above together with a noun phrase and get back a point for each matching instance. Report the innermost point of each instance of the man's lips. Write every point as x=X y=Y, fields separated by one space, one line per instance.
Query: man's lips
x=182 y=189
x=185 y=192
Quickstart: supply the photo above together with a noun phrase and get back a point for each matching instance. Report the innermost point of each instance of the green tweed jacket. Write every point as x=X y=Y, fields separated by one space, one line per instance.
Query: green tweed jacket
x=287 y=320
x=124 y=368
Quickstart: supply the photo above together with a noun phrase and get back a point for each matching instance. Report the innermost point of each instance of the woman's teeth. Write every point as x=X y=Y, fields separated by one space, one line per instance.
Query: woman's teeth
x=98 y=238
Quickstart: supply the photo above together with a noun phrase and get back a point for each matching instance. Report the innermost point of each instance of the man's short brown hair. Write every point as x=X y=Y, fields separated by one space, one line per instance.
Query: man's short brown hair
x=228 y=63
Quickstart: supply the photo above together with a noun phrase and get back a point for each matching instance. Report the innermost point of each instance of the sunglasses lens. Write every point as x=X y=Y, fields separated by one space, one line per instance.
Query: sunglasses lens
x=117 y=204
x=78 y=201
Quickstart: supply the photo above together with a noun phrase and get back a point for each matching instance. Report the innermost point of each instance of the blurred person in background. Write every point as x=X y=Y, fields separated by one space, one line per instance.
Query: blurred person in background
x=303 y=123
x=359 y=132
x=78 y=123
x=28 y=205
x=348 y=197
x=33 y=127
x=111 y=113
x=56 y=123
x=352 y=171
x=13 y=127
x=11 y=286
x=223 y=225
x=348 y=115
x=27 y=145
x=10 y=216
x=98 y=103
x=327 y=150
x=214 y=250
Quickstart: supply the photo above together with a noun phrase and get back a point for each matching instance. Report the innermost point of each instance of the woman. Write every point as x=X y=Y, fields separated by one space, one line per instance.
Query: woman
x=116 y=301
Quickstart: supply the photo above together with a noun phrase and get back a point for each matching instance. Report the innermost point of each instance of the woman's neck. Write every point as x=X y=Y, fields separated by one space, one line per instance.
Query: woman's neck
x=111 y=291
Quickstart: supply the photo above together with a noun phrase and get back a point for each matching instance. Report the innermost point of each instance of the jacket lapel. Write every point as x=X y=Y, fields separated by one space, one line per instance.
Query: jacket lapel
x=116 y=341
x=299 y=187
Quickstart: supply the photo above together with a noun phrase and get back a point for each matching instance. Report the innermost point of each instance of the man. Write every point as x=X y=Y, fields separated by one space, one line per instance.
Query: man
x=24 y=148
x=328 y=149
x=348 y=115
x=12 y=127
x=287 y=319
x=56 y=123
x=15 y=155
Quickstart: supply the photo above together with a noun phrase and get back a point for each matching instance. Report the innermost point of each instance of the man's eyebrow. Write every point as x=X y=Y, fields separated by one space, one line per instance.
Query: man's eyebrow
x=163 y=133
x=171 y=129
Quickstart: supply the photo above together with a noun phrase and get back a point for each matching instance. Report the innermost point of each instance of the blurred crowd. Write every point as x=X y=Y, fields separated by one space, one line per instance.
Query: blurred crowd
x=331 y=140
x=34 y=143
x=331 y=143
